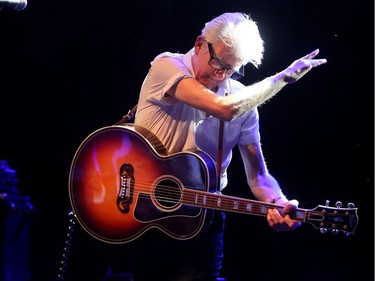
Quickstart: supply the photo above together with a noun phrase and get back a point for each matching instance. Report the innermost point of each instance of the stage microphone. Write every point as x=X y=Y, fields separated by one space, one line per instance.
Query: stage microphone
x=15 y=4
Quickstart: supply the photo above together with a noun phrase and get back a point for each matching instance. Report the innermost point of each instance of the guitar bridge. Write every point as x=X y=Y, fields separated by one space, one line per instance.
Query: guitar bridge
x=125 y=195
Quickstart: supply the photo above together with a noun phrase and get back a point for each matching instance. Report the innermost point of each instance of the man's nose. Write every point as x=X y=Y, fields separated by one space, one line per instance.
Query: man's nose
x=220 y=73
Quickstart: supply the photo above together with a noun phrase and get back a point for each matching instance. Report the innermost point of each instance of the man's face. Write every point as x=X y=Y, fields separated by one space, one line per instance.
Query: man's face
x=214 y=63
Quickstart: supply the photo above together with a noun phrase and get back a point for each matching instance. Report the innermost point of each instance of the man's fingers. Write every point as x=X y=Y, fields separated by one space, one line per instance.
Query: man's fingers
x=317 y=62
x=314 y=62
x=311 y=55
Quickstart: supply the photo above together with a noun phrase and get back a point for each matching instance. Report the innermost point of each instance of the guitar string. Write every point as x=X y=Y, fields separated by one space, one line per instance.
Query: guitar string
x=172 y=194
x=188 y=195
x=227 y=204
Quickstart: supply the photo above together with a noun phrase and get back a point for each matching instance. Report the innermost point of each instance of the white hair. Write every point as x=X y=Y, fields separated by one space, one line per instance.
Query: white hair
x=239 y=32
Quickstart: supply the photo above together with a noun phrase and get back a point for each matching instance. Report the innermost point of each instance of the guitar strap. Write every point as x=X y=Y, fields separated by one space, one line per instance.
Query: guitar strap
x=128 y=116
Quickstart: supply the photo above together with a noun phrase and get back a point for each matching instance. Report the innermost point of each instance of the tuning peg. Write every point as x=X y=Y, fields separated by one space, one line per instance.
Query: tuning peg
x=327 y=203
x=351 y=205
x=347 y=233
x=335 y=231
x=338 y=204
x=323 y=230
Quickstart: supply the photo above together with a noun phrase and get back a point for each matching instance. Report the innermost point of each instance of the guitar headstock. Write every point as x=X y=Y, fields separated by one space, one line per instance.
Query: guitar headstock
x=337 y=219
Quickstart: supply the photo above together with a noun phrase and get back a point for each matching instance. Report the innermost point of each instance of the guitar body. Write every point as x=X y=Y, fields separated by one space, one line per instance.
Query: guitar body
x=121 y=184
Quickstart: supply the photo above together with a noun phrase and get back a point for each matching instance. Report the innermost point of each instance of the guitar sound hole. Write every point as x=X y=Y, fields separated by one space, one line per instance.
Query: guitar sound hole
x=168 y=193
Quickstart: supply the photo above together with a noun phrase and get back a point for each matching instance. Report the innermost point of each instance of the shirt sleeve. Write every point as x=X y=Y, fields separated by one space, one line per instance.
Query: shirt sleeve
x=247 y=123
x=164 y=73
x=250 y=128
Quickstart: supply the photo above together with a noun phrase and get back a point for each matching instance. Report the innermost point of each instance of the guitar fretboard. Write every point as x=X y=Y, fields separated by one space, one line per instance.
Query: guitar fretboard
x=232 y=204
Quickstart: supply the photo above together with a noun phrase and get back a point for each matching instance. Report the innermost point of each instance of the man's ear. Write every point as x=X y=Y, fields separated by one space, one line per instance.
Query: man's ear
x=199 y=42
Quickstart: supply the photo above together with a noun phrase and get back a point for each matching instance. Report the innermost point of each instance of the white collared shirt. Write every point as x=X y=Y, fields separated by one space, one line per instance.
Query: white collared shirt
x=181 y=127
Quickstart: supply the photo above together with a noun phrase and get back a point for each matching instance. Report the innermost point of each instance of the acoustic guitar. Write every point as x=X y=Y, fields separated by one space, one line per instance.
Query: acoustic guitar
x=123 y=182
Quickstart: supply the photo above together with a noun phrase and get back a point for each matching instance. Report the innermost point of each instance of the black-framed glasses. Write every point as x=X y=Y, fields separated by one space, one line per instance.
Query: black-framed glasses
x=218 y=64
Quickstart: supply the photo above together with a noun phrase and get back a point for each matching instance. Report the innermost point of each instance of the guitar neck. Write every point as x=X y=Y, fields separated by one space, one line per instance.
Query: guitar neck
x=321 y=217
x=233 y=204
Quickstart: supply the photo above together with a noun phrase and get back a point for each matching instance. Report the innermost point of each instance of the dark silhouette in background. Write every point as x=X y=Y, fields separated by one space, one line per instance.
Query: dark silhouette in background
x=70 y=67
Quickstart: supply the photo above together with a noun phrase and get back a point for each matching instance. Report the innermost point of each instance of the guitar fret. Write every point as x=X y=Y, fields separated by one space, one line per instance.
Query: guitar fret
x=249 y=207
x=264 y=209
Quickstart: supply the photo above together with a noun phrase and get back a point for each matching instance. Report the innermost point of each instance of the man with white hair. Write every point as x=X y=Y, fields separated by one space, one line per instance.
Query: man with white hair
x=185 y=101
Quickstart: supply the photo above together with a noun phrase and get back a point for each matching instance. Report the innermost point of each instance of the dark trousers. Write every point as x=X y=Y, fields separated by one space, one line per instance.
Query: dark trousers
x=156 y=256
